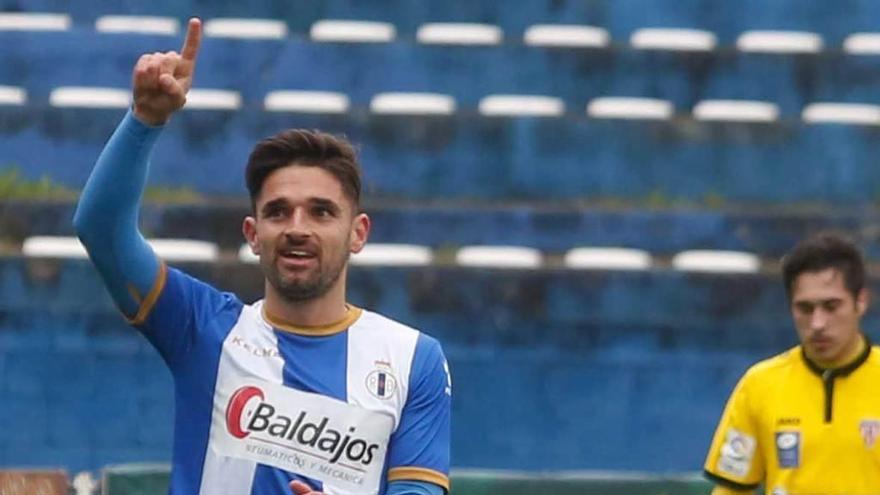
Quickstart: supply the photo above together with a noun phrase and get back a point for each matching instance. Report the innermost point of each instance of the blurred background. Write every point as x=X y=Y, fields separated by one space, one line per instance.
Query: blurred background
x=584 y=200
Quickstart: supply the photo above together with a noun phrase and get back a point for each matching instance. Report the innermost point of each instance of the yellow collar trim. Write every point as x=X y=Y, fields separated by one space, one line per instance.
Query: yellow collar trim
x=352 y=313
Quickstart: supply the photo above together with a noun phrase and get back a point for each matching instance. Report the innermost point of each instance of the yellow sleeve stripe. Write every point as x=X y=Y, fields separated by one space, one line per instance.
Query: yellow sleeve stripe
x=419 y=474
x=150 y=301
x=133 y=292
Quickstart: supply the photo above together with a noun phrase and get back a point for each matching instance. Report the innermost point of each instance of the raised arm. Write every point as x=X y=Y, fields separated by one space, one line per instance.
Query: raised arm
x=107 y=214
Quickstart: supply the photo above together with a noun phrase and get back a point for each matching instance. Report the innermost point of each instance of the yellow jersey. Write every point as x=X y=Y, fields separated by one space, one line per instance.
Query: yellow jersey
x=800 y=429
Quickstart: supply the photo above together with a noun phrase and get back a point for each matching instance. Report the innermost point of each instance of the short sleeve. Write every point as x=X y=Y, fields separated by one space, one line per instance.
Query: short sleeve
x=177 y=309
x=419 y=449
x=735 y=459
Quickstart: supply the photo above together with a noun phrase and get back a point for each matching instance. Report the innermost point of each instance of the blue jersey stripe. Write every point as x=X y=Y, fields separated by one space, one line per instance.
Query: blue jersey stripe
x=270 y=481
x=315 y=364
x=194 y=362
x=312 y=364
x=422 y=437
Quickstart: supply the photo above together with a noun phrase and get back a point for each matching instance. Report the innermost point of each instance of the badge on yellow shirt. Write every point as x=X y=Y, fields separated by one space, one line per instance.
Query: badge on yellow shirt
x=788 y=449
x=870 y=430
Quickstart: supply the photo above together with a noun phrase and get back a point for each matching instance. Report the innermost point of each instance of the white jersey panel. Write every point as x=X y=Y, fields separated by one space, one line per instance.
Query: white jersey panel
x=380 y=356
x=250 y=351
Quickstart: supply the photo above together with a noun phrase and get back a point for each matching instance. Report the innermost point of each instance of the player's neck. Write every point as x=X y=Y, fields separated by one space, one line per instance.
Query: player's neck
x=326 y=309
x=853 y=353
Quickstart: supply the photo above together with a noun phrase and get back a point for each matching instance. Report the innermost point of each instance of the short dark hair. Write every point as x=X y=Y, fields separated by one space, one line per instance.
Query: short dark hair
x=306 y=148
x=820 y=252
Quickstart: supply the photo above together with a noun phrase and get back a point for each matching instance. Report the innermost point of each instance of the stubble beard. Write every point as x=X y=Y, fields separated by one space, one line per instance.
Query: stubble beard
x=297 y=290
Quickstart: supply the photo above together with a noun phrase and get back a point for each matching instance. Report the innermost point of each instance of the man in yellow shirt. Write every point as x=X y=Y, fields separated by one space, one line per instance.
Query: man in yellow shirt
x=807 y=421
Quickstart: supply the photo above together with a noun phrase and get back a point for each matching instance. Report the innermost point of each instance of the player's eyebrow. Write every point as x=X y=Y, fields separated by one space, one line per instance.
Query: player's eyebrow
x=817 y=302
x=326 y=203
x=273 y=204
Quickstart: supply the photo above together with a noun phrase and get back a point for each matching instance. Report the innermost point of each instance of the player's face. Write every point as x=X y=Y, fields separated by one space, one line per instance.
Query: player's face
x=304 y=230
x=827 y=315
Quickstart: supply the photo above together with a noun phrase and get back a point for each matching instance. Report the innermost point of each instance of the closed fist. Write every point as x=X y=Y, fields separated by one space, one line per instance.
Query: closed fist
x=160 y=81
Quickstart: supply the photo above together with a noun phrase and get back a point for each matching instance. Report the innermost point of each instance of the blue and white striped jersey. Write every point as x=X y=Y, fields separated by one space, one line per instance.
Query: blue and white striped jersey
x=346 y=407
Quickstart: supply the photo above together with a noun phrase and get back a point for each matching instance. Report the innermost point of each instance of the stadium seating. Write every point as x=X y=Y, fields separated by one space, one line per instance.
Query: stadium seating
x=584 y=201
x=607 y=258
x=716 y=261
x=467 y=73
x=754 y=116
x=489 y=158
x=646 y=347
x=498 y=257
x=393 y=255
x=661 y=233
x=833 y=21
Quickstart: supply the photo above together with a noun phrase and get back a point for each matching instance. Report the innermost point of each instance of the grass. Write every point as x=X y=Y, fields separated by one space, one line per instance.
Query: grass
x=15 y=187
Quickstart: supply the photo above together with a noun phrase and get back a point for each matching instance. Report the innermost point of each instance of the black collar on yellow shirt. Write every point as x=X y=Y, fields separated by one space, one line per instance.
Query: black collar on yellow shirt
x=829 y=374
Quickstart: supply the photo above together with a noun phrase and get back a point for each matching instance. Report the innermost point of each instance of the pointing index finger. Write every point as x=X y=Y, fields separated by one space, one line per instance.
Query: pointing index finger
x=193 y=39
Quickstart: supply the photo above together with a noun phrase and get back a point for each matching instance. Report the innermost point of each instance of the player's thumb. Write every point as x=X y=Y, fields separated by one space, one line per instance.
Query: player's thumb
x=300 y=488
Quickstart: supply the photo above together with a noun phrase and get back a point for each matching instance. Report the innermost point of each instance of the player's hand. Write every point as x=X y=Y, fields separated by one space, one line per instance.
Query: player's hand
x=300 y=488
x=160 y=81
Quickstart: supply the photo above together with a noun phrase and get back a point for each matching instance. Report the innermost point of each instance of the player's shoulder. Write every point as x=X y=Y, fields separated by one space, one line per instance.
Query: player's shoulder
x=774 y=365
x=376 y=321
x=874 y=357
x=180 y=288
x=389 y=329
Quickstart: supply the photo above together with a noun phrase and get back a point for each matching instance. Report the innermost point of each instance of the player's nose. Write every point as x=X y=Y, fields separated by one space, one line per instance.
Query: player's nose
x=298 y=224
x=818 y=320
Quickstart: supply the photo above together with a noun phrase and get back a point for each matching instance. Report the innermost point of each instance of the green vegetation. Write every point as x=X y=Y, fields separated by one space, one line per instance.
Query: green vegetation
x=15 y=187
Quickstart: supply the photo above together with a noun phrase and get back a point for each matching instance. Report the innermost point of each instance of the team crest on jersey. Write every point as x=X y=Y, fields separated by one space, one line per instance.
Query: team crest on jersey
x=381 y=382
x=788 y=449
x=870 y=430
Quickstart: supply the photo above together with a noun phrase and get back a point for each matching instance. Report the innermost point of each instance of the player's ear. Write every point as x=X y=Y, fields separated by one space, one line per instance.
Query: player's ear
x=863 y=300
x=360 y=230
x=249 y=229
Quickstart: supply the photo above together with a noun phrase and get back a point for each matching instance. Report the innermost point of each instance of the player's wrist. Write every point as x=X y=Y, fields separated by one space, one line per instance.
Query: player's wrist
x=150 y=116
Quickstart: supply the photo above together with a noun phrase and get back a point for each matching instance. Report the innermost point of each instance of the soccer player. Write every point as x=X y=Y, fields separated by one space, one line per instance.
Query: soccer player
x=300 y=391
x=807 y=421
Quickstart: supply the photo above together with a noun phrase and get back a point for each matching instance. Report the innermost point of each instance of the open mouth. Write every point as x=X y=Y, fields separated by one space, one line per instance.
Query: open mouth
x=297 y=257
x=297 y=254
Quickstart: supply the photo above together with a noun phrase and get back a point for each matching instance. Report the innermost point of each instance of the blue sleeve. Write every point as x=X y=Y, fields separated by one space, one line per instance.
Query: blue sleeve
x=185 y=311
x=107 y=215
x=413 y=488
x=168 y=306
x=419 y=448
